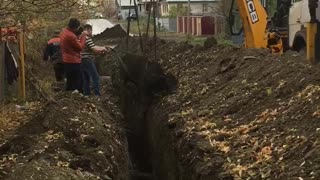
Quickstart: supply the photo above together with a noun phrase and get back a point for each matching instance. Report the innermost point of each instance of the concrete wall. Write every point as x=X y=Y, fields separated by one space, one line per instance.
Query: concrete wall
x=169 y=24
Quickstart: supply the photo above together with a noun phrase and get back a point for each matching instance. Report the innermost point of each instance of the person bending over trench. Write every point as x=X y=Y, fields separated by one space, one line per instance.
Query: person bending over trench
x=88 y=68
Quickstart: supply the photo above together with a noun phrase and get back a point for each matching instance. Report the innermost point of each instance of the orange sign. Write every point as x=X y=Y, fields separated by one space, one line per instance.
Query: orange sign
x=9 y=34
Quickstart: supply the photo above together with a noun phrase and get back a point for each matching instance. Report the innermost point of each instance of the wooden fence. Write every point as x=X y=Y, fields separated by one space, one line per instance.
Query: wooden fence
x=200 y=25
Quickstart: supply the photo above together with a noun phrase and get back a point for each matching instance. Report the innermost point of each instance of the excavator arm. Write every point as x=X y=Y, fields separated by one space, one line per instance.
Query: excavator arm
x=255 y=25
x=254 y=22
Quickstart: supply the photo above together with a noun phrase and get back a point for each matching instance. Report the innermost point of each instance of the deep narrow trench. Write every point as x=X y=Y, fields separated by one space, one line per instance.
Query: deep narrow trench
x=151 y=151
x=137 y=135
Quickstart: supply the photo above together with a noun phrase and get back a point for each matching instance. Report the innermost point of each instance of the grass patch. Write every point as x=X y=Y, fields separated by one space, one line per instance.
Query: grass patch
x=134 y=29
x=222 y=39
x=196 y=40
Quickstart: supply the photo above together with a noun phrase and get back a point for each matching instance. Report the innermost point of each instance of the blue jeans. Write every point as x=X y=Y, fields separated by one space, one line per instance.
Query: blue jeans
x=89 y=71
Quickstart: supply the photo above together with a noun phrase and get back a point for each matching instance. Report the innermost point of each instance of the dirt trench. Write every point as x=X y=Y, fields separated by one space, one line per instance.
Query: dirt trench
x=236 y=114
x=152 y=141
x=151 y=146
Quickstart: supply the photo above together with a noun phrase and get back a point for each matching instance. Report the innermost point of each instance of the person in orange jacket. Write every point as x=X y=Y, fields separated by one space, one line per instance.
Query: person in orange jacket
x=71 y=48
x=52 y=53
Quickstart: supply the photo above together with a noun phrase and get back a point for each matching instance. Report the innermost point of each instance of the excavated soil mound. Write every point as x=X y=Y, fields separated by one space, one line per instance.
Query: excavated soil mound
x=241 y=113
x=73 y=138
x=115 y=32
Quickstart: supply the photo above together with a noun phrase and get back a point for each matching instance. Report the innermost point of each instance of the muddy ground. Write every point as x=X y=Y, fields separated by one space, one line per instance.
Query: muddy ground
x=72 y=137
x=236 y=114
x=193 y=112
x=242 y=113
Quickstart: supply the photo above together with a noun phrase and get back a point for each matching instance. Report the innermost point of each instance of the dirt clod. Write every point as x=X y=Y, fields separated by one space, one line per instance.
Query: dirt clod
x=210 y=42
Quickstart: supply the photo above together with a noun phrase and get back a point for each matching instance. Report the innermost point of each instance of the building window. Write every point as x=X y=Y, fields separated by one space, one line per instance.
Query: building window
x=164 y=9
x=205 y=7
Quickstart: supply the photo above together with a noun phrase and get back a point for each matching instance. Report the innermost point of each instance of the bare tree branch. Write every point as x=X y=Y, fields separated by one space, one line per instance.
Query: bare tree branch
x=13 y=10
x=222 y=8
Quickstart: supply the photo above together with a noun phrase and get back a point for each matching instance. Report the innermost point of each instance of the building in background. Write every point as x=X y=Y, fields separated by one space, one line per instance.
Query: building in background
x=205 y=16
x=144 y=6
x=197 y=7
x=124 y=6
x=172 y=15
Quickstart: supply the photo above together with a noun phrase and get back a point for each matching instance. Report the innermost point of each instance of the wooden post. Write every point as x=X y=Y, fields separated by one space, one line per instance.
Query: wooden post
x=183 y=25
x=136 y=10
x=199 y=29
x=149 y=16
x=178 y=23
x=193 y=20
x=155 y=28
x=128 y=27
x=22 y=78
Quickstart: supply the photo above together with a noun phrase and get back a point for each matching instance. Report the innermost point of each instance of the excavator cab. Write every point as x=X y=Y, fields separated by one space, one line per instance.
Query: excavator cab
x=235 y=22
x=235 y=25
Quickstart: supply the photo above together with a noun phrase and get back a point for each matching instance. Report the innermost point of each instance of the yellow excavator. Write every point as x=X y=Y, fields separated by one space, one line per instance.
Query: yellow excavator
x=294 y=26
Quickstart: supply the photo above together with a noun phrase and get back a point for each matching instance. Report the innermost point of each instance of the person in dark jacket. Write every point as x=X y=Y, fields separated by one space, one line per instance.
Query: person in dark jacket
x=71 y=48
x=52 y=52
x=88 y=68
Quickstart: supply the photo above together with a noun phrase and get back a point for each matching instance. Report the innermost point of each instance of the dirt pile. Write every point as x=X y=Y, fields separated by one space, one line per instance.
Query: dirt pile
x=241 y=113
x=73 y=138
x=210 y=42
x=115 y=32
